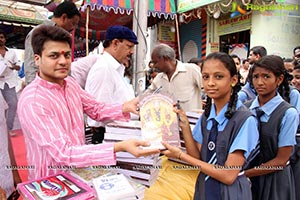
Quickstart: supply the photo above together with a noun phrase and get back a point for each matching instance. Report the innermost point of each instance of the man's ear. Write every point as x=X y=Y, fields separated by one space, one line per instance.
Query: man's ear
x=37 y=59
x=115 y=42
x=64 y=16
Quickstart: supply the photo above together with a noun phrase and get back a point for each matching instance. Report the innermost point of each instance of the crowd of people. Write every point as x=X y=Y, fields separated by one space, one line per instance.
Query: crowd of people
x=244 y=143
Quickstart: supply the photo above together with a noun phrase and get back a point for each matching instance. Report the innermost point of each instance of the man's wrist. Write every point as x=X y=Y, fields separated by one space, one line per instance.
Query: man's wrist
x=179 y=155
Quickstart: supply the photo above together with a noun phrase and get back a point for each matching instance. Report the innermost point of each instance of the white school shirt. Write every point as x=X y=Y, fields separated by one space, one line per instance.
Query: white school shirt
x=106 y=83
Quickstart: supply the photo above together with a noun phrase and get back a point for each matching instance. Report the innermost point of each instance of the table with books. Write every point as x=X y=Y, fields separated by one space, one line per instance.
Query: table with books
x=151 y=177
x=174 y=181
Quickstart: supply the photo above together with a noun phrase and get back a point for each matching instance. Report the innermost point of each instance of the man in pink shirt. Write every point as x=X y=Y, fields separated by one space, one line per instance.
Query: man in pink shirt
x=51 y=112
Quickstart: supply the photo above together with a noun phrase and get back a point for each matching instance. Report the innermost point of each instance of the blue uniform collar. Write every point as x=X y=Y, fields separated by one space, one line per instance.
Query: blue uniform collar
x=270 y=106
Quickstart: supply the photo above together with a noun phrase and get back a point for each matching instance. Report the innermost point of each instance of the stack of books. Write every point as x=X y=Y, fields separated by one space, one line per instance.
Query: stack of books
x=143 y=169
x=193 y=118
x=119 y=131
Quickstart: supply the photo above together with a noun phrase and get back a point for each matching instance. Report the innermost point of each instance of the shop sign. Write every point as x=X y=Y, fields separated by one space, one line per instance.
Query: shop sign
x=233 y=25
x=186 y=5
x=19 y=15
x=165 y=32
x=214 y=47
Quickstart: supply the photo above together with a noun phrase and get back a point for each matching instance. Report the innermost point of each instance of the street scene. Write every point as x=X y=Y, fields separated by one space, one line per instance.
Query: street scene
x=155 y=99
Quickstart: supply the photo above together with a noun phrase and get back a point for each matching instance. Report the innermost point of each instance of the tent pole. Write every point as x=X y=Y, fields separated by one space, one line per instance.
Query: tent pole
x=87 y=30
x=178 y=36
x=140 y=13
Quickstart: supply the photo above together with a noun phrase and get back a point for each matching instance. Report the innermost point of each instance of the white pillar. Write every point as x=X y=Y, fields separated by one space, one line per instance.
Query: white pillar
x=140 y=27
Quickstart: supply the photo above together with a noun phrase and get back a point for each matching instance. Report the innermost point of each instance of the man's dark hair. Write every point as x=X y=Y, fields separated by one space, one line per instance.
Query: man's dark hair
x=294 y=50
x=68 y=8
x=195 y=60
x=244 y=61
x=106 y=43
x=296 y=66
x=3 y=33
x=235 y=56
x=259 y=50
x=287 y=60
x=46 y=33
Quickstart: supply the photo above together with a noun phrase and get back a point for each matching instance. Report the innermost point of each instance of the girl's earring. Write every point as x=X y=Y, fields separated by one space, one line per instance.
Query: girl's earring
x=232 y=85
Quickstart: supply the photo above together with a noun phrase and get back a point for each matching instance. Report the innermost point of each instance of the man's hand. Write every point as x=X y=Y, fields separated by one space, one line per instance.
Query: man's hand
x=14 y=66
x=2 y=194
x=131 y=106
x=135 y=147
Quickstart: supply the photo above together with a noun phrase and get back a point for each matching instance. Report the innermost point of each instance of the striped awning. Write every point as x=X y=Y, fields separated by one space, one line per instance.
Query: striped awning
x=157 y=8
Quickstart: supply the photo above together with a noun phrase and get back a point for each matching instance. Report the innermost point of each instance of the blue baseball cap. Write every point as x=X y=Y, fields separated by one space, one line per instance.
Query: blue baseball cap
x=121 y=32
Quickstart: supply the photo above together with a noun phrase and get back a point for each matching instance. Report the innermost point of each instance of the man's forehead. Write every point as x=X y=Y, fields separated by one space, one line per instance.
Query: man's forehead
x=56 y=46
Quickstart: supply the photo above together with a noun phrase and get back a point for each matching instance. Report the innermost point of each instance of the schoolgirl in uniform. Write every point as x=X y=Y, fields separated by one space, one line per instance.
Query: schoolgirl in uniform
x=295 y=161
x=278 y=126
x=223 y=137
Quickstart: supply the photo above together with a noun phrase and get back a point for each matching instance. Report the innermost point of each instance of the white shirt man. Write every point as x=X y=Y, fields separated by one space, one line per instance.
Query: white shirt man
x=9 y=80
x=106 y=83
x=105 y=80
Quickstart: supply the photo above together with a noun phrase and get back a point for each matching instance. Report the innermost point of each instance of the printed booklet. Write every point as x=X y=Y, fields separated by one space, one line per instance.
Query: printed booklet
x=59 y=186
x=114 y=187
x=158 y=120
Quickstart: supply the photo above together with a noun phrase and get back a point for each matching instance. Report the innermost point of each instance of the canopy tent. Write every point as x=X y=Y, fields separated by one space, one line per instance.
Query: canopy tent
x=17 y=19
x=98 y=15
x=159 y=8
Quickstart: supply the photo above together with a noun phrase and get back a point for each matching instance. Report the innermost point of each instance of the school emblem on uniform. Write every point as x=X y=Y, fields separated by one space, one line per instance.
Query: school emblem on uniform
x=211 y=145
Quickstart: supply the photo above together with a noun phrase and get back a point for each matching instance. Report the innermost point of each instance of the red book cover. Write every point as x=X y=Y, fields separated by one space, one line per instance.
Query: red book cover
x=158 y=120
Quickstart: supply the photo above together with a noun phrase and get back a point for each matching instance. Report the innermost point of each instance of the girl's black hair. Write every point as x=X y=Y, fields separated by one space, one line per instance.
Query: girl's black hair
x=275 y=64
x=230 y=66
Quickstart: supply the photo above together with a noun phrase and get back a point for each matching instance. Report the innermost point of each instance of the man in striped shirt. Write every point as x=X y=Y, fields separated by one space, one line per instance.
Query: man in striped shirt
x=51 y=112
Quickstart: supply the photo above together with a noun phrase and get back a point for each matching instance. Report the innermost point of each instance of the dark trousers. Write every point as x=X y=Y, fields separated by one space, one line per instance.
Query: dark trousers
x=98 y=134
x=10 y=96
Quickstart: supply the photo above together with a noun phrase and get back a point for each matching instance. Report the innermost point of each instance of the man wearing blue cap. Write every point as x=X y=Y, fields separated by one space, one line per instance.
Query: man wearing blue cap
x=105 y=80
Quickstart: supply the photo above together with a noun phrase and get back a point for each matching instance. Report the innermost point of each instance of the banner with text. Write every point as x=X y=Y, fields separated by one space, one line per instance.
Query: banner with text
x=186 y=5
x=233 y=25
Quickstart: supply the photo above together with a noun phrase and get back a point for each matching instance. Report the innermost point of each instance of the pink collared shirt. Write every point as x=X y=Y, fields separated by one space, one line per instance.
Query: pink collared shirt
x=52 y=121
